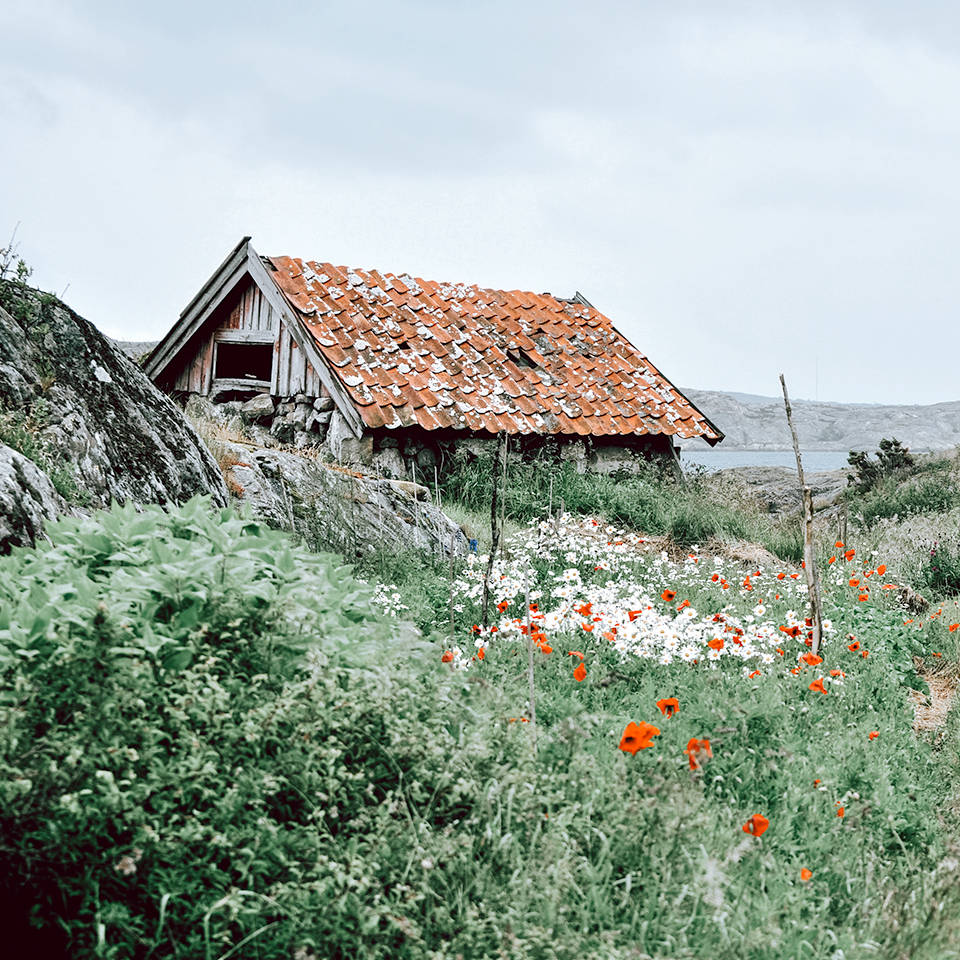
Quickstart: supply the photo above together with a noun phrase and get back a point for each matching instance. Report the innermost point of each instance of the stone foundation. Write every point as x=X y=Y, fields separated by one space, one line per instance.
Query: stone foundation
x=303 y=422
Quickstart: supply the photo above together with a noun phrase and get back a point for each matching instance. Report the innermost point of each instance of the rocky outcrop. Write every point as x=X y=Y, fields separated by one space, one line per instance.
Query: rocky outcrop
x=27 y=500
x=73 y=404
x=332 y=508
x=777 y=489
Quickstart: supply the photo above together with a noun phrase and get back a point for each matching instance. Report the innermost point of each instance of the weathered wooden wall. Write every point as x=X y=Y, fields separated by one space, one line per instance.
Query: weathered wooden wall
x=248 y=311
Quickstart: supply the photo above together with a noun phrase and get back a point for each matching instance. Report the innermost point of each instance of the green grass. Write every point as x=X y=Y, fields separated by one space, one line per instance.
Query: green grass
x=213 y=747
x=690 y=512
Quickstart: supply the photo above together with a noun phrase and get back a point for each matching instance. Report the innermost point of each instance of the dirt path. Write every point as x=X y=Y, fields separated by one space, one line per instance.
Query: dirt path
x=930 y=712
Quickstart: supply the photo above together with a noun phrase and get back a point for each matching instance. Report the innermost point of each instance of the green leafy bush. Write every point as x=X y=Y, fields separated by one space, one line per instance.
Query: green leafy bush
x=893 y=459
x=185 y=719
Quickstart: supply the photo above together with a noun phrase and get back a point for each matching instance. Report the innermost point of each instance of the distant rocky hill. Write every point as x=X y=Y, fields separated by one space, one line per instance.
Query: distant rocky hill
x=753 y=422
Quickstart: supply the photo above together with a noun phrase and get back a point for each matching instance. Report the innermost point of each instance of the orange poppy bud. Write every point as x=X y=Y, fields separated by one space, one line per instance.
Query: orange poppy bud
x=756 y=825
x=864 y=654
x=698 y=751
x=754 y=675
x=831 y=560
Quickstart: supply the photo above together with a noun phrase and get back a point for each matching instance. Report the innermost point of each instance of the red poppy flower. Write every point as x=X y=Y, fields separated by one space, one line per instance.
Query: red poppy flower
x=873 y=734
x=854 y=582
x=481 y=653
x=812 y=659
x=574 y=653
x=882 y=569
x=805 y=874
x=585 y=610
x=638 y=736
x=849 y=555
x=831 y=560
x=754 y=675
x=502 y=605
x=698 y=752
x=668 y=706
x=837 y=673
x=818 y=685
x=841 y=811
x=854 y=646
x=756 y=825
x=864 y=654
x=953 y=627
x=715 y=577
x=447 y=656
x=937 y=655
x=839 y=544
x=633 y=614
x=668 y=596
x=716 y=643
x=580 y=673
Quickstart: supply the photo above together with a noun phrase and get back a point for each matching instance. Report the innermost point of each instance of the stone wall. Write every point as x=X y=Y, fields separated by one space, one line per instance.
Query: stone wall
x=413 y=454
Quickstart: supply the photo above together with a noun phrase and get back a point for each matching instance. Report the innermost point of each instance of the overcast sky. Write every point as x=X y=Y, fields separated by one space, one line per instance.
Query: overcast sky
x=743 y=188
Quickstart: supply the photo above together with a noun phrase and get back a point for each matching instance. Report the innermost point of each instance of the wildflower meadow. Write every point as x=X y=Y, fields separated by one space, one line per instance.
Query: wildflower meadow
x=217 y=744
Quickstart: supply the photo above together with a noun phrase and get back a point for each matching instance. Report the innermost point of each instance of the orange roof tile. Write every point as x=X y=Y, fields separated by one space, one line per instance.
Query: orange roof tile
x=410 y=351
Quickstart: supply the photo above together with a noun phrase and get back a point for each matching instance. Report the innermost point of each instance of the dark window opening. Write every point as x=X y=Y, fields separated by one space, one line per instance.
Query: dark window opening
x=244 y=361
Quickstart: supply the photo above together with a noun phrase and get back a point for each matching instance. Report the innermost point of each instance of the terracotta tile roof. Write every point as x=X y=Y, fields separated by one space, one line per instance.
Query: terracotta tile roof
x=416 y=352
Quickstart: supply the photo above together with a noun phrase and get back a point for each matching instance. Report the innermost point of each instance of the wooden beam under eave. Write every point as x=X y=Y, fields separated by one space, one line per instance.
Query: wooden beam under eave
x=211 y=295
x=338 y=392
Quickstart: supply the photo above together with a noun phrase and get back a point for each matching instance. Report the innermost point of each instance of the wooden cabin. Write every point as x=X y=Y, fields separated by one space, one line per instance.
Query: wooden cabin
x=387 y=370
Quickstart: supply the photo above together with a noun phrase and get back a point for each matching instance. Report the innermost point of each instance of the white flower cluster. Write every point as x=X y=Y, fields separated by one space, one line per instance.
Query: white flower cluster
x=607 y=587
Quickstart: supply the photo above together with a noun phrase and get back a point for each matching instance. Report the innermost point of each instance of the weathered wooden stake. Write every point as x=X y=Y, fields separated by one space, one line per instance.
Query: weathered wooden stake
x=533 y=701
x=809 y=558
x=495 y=471
x=453 y=540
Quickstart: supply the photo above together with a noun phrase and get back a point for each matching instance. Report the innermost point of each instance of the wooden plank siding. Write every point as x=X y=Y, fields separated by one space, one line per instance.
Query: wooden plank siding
x=247 y=316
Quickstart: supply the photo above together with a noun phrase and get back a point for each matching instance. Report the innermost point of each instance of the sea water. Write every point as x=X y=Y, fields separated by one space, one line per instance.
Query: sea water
x=814 y=461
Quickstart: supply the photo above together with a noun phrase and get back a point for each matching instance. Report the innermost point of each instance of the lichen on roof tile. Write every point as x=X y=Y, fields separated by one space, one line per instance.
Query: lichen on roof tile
x=435 y=354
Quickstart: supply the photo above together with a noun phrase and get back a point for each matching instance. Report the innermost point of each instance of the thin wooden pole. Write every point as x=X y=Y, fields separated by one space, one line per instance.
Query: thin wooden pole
x=533 y=700
x=495 y=471
x=809 y=558
x=452 y=545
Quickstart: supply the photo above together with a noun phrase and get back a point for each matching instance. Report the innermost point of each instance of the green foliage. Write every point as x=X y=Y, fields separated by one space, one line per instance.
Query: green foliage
x=22 y=430
x=174 y=684
x=893 y=459
x=893 y=497
x=941 y=569
x=211 y=747
x=656 y=502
